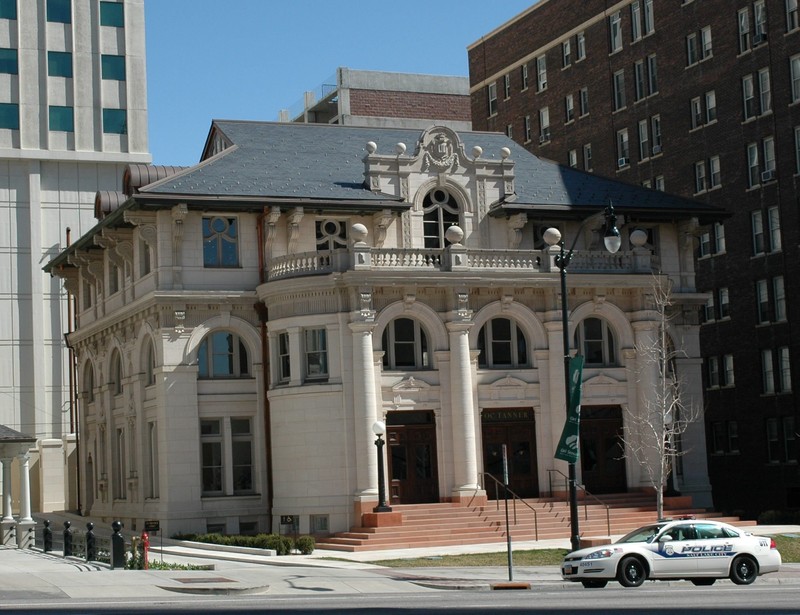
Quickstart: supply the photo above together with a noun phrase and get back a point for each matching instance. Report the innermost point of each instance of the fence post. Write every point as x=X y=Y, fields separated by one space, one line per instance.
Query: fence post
x=47 y=537
x=117 y=546
x=91 y=544
x=67 y=539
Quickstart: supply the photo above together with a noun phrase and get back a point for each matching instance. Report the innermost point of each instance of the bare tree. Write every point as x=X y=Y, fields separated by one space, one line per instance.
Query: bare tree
x=653 y=434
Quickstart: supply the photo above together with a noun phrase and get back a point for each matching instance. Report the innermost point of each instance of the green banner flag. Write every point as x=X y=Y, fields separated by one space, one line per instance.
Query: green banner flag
x=568 y=445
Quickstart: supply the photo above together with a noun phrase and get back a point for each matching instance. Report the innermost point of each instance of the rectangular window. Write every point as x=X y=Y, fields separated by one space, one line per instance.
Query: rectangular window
x=700 y=176
x=644 y=139
x=510 y=131
x=115 y=121
x=773 y=450
x=242 y=455
x=794 y=73
x=655 y=133
x=718 y=438
x=623 y=154
x=659 y=183
x=615 y=32
x=797 y=149
x=649 y=18
x=491 y=91
x=59 y=64
x=580 y=43
x=59 y=11
x=120 y=469
x=636 y=21
x=691 y=49
x=220 y=242
x=316 y=348
x=211 y=455
x=566 y=53
x=711 y=106
x=724 y=303
x=727 y=370
x=779 y=295
x=541 y=73
x=757 y=228
x=762 y=301
x=584 y=100
x=8 y=9
x=569 y=108
x=572 y=158
x=744 y=30
x=587 y=157
x=506 y=86
x=713 y=372
x=544 y=125
x=753 y=177
x=708 y=310
x=619 y=90
x=768 y=169
x=705 y=43
x=526 y=124
x=9 y=63
x=748 y=97
x=152 y=461
x=759 y=22
x=704 y=245
x=697 y=112
x=524 y=76
x=792 y=22
x=112 y=14
x=652 y=75
x=715 y=174
x=62 y=119
x=767 y=371
x=733 y=437
x=774 y=222
x=9 y=116
x=789 y=439
x=764 y=91
x=638 y=80
x=284 y=363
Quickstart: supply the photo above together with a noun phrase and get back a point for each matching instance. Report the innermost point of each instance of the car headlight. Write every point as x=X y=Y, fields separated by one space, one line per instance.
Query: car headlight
x=602 y=553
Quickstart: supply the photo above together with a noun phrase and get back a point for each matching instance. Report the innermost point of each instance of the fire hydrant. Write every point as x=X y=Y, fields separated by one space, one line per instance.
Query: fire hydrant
x=145 y=549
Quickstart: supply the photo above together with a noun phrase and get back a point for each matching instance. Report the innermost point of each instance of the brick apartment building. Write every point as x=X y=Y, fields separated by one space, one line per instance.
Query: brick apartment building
x=699 y=98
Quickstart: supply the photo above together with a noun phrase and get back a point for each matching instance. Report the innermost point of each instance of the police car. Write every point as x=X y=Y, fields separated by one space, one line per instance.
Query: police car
x=699 y=551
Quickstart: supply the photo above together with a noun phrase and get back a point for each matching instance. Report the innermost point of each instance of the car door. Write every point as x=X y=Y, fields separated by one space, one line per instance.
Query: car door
x=674 y=556
x=713 y=550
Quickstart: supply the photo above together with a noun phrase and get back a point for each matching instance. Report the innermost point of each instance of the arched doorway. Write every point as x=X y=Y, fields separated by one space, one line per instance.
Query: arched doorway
x=516 y=429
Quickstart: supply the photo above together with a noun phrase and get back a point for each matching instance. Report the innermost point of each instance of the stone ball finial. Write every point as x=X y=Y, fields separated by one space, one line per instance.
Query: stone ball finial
x=552 y=236
x=454 y=234
x=358 y=232
x=371 y=147
x=477 y=151
x=400 y=149
x=638 y=238
x=505 y=152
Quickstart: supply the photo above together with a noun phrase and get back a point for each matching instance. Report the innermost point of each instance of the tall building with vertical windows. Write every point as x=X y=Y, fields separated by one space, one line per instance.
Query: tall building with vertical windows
x=73 y=114
x=700 y=98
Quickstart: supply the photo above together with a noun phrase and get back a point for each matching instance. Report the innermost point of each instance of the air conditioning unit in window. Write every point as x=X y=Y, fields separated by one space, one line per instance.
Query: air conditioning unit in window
x=622 y=162
x=656 y=149
x=545 y=136
x=767 y=176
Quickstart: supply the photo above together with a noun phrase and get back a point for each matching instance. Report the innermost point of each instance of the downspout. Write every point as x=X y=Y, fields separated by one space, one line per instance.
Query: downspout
x=73 y=389
x=263 y=317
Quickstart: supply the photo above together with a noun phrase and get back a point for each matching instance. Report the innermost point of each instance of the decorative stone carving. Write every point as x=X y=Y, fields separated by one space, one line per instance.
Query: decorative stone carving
x=439 y=152
x=272 y=215
x=381 y=222
x=293 y=227
x=515 y=225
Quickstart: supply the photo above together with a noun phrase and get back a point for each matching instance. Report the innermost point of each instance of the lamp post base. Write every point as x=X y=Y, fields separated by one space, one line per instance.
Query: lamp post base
x=381 y=519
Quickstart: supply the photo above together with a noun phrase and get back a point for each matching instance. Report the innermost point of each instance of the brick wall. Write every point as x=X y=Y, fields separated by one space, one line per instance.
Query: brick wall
x=386 y=103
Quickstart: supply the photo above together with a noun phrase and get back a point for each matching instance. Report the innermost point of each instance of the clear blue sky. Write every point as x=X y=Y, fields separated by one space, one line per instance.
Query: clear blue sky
x=247 y=59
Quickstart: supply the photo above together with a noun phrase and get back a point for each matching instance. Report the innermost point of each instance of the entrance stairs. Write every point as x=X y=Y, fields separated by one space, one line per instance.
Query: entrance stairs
x=444 y=524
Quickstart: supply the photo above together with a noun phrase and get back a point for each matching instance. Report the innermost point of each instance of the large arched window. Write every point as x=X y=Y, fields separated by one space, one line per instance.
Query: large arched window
x=502 y=344
x=149 y=364
x=88 y=382
x=405 y=345
x=440 y=212
x=594 y=340
x=115 y=373
x=222 y=354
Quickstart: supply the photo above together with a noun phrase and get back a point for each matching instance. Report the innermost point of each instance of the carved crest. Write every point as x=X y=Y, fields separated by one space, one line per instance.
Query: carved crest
x=439 y=151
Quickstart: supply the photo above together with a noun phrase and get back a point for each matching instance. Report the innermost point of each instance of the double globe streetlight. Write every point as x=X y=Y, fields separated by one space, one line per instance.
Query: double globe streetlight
x=612 y=241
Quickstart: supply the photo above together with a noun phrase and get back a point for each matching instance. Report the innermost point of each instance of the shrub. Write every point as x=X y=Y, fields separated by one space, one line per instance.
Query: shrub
x=305 y=544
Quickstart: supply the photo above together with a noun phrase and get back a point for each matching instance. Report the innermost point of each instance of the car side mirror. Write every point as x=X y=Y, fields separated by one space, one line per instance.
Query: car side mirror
x=665 y=538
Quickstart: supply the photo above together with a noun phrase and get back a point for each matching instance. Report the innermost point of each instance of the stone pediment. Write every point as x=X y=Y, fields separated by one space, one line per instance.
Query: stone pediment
x=508 y=388
x=508 y=381
x=409 y=392
x=602 y=380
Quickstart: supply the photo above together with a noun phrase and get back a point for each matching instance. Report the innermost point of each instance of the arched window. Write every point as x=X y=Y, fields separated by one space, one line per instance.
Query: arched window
x=440 y=212
x=594 y=339
x=222 y=354
x=88 y=382
x=502 y=344
x=405 y=345
x=115 y=373
x=150 y=364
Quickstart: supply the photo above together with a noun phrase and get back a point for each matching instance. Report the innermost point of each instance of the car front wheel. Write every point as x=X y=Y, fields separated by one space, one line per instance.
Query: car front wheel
x=744 y=570
x=632 y=572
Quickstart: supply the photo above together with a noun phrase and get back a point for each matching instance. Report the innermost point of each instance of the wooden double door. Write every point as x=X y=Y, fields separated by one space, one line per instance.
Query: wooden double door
x=602 y=450
x=411 y=457
x=516 y=429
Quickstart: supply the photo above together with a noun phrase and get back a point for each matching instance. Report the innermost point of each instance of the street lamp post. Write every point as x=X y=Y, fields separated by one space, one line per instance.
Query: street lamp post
x=379 y=428
x=612 y=240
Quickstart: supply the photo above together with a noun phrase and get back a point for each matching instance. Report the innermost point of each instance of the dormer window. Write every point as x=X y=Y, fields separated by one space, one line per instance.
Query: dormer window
x=440 y=212
x=331 y=235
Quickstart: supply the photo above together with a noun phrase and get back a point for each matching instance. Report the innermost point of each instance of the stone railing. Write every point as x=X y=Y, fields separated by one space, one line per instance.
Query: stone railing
x=361 y=257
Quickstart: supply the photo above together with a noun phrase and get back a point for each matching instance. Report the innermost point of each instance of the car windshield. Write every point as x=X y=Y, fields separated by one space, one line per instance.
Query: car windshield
x=643 y=534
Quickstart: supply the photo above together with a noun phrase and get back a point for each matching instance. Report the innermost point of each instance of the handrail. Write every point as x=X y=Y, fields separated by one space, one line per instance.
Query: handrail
x=498 y=483
x=586 y=492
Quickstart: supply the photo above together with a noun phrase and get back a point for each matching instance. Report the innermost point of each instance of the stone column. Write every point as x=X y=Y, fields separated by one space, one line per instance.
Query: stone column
x=365 y=413
x=465 y=445
x=640 y=407
x=26 y=524
x=8 y=523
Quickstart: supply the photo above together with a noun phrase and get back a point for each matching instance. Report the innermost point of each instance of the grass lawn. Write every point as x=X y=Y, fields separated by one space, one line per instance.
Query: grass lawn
x=788 y=545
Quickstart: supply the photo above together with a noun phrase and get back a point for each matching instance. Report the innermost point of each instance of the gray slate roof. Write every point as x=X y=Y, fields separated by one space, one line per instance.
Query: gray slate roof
x=324 y=162
x=11 y=435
